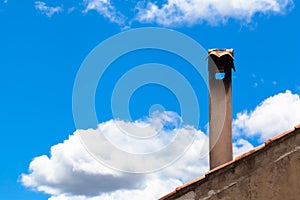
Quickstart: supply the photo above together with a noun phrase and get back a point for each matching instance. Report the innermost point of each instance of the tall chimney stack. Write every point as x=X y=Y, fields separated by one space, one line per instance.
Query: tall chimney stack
x=220 y=64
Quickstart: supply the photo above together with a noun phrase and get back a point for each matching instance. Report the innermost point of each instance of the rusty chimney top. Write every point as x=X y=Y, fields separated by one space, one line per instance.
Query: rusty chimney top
x=220 y=65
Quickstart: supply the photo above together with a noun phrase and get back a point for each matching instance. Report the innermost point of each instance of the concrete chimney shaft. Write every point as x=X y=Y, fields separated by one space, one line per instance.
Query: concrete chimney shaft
x=220 y=64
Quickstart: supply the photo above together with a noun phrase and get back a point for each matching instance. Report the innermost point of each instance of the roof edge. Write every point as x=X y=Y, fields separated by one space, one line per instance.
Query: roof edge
x=237 y=158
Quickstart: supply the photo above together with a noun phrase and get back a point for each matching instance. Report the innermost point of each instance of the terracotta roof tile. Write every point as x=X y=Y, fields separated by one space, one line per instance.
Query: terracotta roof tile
x=297 y=127
x=183 y=186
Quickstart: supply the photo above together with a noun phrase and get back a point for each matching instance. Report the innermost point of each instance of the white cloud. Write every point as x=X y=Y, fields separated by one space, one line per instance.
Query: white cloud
x=241 y=146
x=273 y=116
x=179 y=12
x=72 y=173
x=106 y=9
x=47 y=10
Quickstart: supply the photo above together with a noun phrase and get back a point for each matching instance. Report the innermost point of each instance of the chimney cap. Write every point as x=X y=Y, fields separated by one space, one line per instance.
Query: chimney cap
x=221 y=55
x=221 y=52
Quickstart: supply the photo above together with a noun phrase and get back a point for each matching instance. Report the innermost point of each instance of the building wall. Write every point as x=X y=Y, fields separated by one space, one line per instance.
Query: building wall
x=272 y=172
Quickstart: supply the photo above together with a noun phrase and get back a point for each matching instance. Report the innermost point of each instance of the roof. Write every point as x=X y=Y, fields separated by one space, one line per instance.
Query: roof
x=199 y=180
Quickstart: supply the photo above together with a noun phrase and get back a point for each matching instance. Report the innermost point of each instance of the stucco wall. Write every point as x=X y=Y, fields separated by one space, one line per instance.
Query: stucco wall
x=270 y=173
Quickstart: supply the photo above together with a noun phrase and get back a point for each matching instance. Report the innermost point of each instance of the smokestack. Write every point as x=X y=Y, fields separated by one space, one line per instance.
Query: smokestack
x=220 y=63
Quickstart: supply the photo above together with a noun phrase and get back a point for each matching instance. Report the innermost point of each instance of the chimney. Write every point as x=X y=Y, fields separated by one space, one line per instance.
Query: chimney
x=220 y=63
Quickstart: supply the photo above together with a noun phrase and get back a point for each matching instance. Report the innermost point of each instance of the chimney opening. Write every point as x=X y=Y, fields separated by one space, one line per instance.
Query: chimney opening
x=219 y=75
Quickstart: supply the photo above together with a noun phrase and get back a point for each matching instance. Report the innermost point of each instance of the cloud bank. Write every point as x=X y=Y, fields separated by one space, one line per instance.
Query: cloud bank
x=173 y=13
x=70 y=172
x=178 y=12
x=274 y=115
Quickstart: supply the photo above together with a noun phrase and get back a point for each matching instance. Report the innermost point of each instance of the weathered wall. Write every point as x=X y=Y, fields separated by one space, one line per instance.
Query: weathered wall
x=273 y=172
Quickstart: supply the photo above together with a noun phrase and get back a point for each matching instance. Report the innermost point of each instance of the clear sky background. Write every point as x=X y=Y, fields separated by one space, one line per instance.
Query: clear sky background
x=42 y=46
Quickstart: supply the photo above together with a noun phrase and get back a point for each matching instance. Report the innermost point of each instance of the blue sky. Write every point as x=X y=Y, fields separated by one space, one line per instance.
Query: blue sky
x=43 y=44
